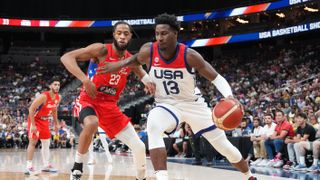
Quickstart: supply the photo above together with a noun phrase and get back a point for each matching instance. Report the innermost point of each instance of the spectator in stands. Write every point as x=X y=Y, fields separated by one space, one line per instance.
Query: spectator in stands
x=314 y=122
x=268 y=131
x=181 y=144
x=315 y=147
x=258 y=142
x=286 y=109
x=305 y=133
x=243 y=130
x=2 y=137
x=283 y=130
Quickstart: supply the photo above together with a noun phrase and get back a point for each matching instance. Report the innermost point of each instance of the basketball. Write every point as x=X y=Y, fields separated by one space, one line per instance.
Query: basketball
x=227 y=114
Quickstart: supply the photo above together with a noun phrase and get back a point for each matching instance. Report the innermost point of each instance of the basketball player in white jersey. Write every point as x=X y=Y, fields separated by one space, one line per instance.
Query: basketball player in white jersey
x=172 y=68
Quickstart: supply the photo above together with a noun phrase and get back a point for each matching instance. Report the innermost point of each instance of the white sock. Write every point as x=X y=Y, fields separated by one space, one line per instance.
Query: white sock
x=302 y=160
x=29 y=164
x=248 y=174
x=79 y=157
x=90 y=152
x=162 y=175
x=315 y=162
x=45 y=152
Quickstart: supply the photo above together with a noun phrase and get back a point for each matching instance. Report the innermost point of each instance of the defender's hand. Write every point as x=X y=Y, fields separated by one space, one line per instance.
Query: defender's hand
x=150 y=88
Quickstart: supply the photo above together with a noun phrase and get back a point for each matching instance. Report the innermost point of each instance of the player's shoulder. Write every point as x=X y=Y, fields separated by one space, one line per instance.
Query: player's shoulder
x=97 y=48
x=147 y=45
x=193 y=54
x=41 y=96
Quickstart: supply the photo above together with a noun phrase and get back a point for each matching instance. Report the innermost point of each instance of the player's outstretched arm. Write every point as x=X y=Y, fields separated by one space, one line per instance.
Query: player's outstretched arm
x=141 y=58
x=93 y=51
x=96 y=52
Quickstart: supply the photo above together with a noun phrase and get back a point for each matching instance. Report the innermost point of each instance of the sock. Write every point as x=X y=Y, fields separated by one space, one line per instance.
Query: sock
x=141 y=173
x=315 y=162
x=162 y=175
x=29 y=164
x=248 y=174
x=79 y=157
x=302 y=160
x=90 y=152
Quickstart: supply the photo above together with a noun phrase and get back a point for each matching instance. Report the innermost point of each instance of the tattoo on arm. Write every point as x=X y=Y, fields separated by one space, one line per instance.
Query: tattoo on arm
x=133 y=60
x=103 y=51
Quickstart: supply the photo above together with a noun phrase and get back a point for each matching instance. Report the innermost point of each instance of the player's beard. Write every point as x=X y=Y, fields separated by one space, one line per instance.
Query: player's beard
x=118 y=47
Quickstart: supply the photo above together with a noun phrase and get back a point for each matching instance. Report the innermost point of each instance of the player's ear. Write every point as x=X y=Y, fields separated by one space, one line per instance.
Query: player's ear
x=175 y=32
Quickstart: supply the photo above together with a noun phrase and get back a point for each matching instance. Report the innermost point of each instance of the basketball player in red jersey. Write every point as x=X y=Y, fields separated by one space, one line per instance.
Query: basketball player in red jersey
x=172 y=68
x=42 y=108
x=98 y=98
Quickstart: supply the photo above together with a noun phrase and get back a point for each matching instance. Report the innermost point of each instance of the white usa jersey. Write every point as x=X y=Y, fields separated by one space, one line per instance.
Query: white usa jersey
x=175 y=80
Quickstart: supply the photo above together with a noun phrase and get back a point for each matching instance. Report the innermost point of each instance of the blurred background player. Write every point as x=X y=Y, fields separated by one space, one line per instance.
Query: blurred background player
x=42 y=108
x=100 y=94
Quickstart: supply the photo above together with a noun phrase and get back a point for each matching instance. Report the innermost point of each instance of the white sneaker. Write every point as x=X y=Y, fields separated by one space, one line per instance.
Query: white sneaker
x=91 y=161
x=76 y=175
x=254 y=163
x=49 y=168
x=263 y=163
x=31 y=172
x=278 y=164
x=270 y=163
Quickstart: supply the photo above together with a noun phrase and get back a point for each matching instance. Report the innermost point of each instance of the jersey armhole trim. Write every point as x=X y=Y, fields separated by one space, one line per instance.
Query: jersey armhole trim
x=189 y=69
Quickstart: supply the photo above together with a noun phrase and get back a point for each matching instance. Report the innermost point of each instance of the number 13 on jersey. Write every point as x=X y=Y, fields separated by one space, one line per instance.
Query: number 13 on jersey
x=171 y=87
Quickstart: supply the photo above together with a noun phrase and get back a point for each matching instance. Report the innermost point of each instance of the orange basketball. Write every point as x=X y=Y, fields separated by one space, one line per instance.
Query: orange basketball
x=227 y=114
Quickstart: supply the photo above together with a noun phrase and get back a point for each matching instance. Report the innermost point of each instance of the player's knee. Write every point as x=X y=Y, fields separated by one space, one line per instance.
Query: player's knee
x=91 y=124
x=33 y=143
x=140 y=147
x=233 y=154
x=224 y=147
x=153 y=127
x=137 y=146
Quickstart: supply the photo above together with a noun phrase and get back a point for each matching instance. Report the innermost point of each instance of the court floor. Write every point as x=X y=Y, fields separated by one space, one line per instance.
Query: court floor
x=12 y=165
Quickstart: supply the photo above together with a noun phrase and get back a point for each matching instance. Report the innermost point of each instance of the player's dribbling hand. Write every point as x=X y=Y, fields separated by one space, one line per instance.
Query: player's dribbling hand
x=237 y=101
x=90 y=88
x=150 y=88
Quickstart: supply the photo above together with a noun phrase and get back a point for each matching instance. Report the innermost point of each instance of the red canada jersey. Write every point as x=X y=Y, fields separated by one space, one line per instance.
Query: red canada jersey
x=45 y=110
x=110 y=85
